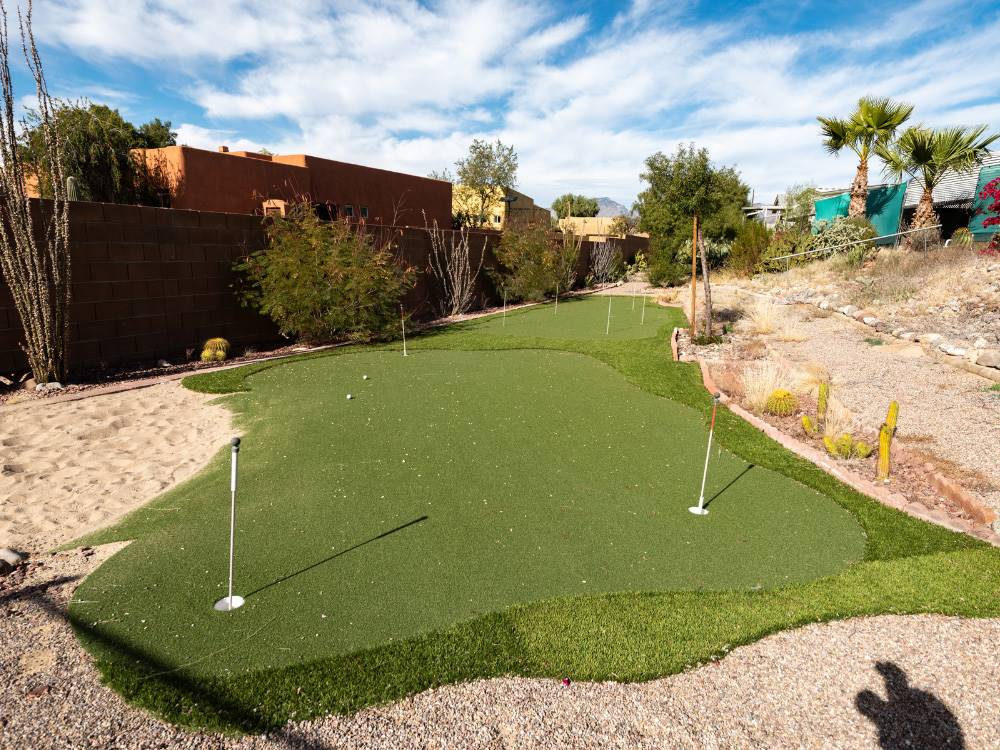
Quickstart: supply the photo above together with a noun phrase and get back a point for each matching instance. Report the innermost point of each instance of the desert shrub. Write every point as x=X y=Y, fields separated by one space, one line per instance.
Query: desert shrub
x=665 y=270
x=842 y=230
x=562 y=256
x=215 y=350
x=749 y=247
x=535 y=262
x=322 y=281
x=788 y=241
x=718 y=252
x=605 y=262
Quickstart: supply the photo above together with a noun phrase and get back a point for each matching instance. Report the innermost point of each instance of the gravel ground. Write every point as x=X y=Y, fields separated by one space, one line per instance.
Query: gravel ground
x=921 y=682
x=942 y=409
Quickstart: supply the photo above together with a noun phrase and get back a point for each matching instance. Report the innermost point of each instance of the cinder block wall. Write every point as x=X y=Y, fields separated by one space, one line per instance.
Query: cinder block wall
x=152 y=283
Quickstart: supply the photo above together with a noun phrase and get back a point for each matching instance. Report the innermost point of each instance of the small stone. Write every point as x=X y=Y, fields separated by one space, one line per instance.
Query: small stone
x=162 y=363
x=980 y=343
x=859 y=315
x=5 y=381
x=870 y=320
x=45 y=387
x=29 y=384
x=848 y=310
x=953 y=350
x=933 y=339
x=908 y=335
x=9 y=559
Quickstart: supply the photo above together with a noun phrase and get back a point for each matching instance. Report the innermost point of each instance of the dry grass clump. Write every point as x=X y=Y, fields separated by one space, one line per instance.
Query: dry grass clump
x=758 y=381
x=762 y=316
x=807 y=377
x=839 y=420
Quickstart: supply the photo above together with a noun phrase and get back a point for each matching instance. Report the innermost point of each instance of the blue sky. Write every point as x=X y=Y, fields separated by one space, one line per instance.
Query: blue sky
x=584 y=91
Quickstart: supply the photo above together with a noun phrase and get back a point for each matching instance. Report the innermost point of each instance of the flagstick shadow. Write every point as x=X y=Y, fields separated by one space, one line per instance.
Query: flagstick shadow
x=732 y=481
x=334 y=556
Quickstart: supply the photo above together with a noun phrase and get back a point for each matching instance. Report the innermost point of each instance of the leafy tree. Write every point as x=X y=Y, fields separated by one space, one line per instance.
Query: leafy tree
x=622 y=226
x=575 y=205
x=799 y=203
x=929 y=155
x=486 y=174
x=871 y=126
x=97 y=152
x=682 y=187
x=522 y=253
x=324 y=281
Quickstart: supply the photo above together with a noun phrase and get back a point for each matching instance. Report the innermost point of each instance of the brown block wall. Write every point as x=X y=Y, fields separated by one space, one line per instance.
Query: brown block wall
x=148 y=283
x=152 y=283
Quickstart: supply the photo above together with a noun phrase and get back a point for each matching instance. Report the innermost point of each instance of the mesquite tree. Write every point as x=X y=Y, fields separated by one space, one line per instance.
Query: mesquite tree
x=451 y=262
x=34 y=259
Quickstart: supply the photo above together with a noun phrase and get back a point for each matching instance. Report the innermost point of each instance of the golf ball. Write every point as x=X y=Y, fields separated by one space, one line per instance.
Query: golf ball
x=364 y=377
x=349 y=396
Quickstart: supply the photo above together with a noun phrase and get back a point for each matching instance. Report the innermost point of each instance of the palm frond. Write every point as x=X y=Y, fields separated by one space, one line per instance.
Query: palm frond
x=836 y=133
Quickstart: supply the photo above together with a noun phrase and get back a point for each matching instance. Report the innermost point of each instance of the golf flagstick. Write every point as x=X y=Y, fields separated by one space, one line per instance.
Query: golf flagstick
x=402 y=325
x=633 y=295
x=557 y=299
x=643 y=321
x=699 y=509
x=607 y=329
x=504 y=323
x=230 y=602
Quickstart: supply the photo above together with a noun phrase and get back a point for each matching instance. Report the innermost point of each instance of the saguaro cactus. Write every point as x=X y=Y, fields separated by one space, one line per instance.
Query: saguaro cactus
x=885 y=436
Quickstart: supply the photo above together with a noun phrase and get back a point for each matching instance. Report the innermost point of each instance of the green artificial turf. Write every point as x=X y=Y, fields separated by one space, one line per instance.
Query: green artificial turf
x=581 y=318
x=492 y=504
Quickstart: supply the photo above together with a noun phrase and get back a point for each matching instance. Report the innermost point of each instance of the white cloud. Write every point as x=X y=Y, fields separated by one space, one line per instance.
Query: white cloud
x=406 y=85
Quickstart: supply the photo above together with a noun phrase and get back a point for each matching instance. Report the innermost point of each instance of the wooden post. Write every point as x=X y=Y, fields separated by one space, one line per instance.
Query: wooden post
x=694 y=274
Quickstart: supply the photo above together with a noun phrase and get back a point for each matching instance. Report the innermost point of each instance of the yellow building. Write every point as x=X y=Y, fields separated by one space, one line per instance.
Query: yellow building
x=495 y=216
x=595 y=228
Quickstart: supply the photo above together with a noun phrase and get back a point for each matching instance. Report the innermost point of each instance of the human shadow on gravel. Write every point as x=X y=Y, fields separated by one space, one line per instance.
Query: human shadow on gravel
x=909 y=718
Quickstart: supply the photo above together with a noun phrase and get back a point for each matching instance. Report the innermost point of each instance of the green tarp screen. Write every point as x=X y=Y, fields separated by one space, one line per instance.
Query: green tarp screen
x=884 y=208
x=979 y=215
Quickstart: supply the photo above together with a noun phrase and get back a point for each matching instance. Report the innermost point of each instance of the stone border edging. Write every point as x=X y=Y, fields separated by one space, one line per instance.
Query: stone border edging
x=894 y=500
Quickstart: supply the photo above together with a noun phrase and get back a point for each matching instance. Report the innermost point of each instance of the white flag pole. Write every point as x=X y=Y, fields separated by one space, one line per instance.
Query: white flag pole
x=699 y=509
x=402 y=325
x=634 y=289
x=230 y=602
x=557 y=299
x=607 y=328
x=504 y=323
x=643 y=320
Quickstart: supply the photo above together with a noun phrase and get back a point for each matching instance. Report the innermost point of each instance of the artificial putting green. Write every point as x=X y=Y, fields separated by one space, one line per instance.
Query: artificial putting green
x=491 y=504
x=582 y=318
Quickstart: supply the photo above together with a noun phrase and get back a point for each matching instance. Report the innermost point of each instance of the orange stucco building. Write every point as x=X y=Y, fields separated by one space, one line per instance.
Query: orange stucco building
x=243 y=182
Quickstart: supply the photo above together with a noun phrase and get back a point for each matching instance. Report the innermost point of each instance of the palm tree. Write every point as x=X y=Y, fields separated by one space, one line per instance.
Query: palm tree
x=871 y=125
x=928 y=155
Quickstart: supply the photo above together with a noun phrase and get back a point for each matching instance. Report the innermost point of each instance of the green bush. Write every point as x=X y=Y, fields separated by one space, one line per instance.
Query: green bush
x=788 y=241
x=749 y=247
x=665 y=270
x=535 y=261
x=323 y=281
x=843 y=230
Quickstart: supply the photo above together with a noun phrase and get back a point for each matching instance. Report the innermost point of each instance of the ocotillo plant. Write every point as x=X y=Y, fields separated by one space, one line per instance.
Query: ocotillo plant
x=885 y=436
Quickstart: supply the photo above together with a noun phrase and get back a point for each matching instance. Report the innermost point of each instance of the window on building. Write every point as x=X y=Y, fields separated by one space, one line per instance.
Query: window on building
x=364 y=212
x=349 y=211
x=496 y=218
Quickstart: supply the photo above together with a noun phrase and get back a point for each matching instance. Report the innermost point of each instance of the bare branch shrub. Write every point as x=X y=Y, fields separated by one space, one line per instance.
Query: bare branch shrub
x=452 y=264
x=37 y=273
x=605 y=261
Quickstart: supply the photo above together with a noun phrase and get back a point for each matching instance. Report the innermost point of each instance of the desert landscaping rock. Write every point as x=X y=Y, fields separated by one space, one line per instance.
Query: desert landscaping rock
x=989 y=358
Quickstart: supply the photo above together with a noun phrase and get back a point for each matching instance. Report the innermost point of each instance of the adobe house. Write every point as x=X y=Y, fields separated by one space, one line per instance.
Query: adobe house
x=252 y=183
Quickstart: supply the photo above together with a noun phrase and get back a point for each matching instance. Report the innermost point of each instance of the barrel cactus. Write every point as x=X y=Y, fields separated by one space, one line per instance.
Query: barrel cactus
x=782 y=403
x=215 y=350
